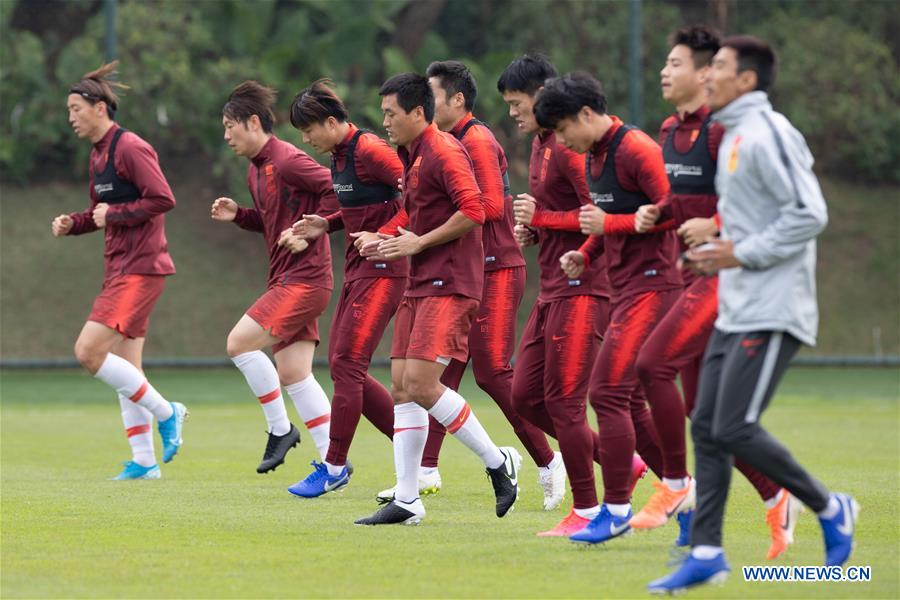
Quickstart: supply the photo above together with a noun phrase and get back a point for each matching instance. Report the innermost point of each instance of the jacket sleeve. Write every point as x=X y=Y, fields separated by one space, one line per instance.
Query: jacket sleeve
x=83 y=222
x=249 y=219
x=137 y=162
x=786 y=163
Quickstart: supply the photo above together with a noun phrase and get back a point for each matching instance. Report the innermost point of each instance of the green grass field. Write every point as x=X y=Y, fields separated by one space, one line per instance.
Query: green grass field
x=212 y=527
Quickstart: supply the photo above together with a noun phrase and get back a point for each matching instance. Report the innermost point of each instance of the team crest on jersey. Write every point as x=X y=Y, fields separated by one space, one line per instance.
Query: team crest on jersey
x=733 y=157
x=545 y=164
x=414 y=173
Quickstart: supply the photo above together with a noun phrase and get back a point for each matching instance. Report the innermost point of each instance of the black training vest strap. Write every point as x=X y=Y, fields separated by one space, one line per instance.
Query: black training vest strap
x=108 y=186
x=352 y=192
x=692 y=172
x=606 y=191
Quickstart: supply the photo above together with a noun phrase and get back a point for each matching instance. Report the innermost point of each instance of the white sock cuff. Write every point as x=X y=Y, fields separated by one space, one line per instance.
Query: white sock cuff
x=246 y=358
x=120 y=375
x=301 y=386
x=706 y=552
x=447 y=407
x=409 y=415
x=618 y=510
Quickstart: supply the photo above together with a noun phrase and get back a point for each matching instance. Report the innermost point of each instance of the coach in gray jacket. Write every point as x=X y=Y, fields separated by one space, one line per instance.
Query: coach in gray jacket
x=771 y=208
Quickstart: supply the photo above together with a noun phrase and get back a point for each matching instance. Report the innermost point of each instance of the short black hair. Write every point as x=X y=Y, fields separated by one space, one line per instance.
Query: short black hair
x=251 y=98
x=526 y=74
x=316 y=103
x=703 y=41
x=455 y=78
x=412 y=90
x=563 y=98
x=753 y=54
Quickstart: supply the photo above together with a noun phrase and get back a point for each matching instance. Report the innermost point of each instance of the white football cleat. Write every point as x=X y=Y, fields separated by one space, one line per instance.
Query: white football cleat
x=429 y=483
x=553 y=482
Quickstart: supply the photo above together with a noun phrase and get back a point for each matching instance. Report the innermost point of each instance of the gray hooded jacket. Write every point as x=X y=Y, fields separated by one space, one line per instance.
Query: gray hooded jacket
x=772 y=208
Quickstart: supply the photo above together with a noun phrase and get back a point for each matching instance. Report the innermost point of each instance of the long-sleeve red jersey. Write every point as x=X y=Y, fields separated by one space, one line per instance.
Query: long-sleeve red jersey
x=557 y=181
x=489 y=162
x=438 y=181
x=135 y=233
x=285 y=184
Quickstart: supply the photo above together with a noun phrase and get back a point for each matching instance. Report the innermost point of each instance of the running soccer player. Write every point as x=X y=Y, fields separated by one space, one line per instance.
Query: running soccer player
x=129 y=199
x=439 y=230
x=690 y=142
x=561 y=337
x=285 y=183
x=624 y=169
x=772 y=209
x=493 y=335
x=364 y=172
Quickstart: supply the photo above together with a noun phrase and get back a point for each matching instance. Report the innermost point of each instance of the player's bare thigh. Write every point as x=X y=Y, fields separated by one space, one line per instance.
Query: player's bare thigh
x=247 y=336
x=294 y=363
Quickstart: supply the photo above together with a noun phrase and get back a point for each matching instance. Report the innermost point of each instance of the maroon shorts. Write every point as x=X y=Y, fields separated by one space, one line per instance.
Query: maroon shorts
x=434 y=328
x=126 y=301
x=290 y=312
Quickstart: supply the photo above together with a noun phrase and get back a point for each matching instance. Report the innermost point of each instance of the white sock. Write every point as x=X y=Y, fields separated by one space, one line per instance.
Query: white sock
x=706 y=552
x=410 y=434
x=262 y=378
x=676 y=485
x=333 y=470
x=452 y=411
x=587 y=513
x=774 y=500
x=125 y=378
x=312 y=404
x=557 y=458
x=832 y=509
x=138 y=423
x=618 y=510
x=427 y=470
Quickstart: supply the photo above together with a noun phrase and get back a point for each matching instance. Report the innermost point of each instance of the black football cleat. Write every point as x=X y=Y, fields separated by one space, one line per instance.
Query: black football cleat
x=505 y=480
x=276 y=449
x=396 y=512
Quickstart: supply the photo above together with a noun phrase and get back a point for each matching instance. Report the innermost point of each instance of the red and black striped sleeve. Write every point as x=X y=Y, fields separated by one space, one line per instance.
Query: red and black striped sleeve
x=482 y=149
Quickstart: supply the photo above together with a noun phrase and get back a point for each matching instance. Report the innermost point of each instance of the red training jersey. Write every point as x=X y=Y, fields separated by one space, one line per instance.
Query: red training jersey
x=285 y=184
x=557 y=182
x=438 y=181
x=489 y=162
x=135 y=233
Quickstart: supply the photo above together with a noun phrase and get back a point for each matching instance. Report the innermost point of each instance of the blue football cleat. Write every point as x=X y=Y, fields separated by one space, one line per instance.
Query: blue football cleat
x=170 y=431
x=133 y=470
x=604 y=527
x=320 y=482
x=838 y=531
x=684 y=528
x=693 y=571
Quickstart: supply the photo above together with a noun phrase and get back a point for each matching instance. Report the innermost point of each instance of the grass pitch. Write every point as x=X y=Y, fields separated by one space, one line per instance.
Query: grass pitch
x=212 y=527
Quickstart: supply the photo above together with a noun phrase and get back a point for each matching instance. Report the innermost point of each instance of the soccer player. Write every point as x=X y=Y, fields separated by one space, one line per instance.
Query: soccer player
x=771 y=209
x=690 y=142
x=493 y=335
x=285 y=183
x=561 y=337
x=625 y=170
x=364 y=172
x=129 y=199
x=439 y=230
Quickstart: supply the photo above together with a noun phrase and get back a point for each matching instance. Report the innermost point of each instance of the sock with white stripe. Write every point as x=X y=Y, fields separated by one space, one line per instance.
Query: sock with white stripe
x=138 y=421
x=618 y=510
x=127 y=380
x=452 y=411
x=262 y=378
x=410 y=433
x=315 y=410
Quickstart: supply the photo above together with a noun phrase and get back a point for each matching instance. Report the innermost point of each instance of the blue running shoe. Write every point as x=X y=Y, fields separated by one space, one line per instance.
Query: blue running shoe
x=133 y=470
x=320 y=482
x=603 y=528
x=170 y=431
x=684 y=528
x=838 y=531
x=693 y=571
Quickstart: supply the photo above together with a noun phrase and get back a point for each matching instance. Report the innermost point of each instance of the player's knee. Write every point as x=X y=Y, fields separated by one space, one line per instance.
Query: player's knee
x=290 y=373
x=89 y=355
x=233 y=345
x=418 y=388
x=646 y=367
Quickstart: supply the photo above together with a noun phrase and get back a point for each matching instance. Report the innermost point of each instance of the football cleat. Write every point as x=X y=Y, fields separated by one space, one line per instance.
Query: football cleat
x=663 y=505
x=170 y=431
x=553 y=482
x=604 y=527
x=505 y=480
x=572 y=523
x=396 y=512
x=684 y=528
x=838 y=530
x=276 y=448
x=133 y=470
x=782 y=519
x=429 y=483
x=693 y=571
x=319 y=482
